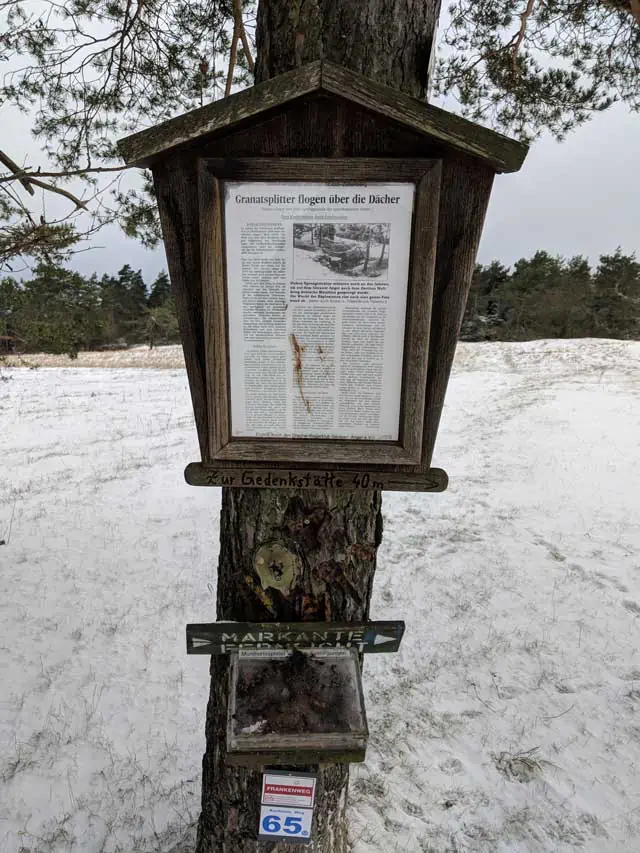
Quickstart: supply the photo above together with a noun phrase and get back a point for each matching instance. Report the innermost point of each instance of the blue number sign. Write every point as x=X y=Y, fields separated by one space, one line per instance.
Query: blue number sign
x=281 y=822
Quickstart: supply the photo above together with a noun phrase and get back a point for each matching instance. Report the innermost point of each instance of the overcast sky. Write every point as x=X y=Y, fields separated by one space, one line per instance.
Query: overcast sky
x=580 y=196
x=577 y=197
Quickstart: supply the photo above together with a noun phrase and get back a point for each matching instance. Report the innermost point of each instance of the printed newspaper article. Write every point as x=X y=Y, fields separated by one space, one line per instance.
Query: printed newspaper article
x=316 y=293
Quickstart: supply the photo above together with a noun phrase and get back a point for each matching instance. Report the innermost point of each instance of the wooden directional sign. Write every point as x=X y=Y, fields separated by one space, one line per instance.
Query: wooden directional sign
x=430 y=480
x=216 y=638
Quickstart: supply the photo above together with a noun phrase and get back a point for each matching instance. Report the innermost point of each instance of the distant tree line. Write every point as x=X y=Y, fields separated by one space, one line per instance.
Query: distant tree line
x=547 y=297
x=60 y=311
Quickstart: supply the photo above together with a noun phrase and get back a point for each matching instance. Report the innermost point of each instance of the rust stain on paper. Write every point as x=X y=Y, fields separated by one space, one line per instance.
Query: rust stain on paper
x=297 y=366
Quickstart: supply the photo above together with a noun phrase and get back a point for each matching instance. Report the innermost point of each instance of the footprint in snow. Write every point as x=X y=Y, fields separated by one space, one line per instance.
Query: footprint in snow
x=451 y=765
x=412 y=809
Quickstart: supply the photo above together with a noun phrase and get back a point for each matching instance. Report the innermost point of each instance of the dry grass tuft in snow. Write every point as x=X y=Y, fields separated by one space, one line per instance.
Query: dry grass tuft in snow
x=523 y=766
x=138 y=356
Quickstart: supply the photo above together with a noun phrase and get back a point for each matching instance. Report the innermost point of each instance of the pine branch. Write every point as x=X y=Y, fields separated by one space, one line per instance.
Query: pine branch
x=67 y=173
x=633 y=8
x=232 y=58
x=18 y=173
x=239 y=35
x=243 y=34
x=524 y=17
x=59 y=191
x=29 y=182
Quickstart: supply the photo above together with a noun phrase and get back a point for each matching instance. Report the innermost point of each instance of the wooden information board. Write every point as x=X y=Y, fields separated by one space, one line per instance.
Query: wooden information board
x=317 y=284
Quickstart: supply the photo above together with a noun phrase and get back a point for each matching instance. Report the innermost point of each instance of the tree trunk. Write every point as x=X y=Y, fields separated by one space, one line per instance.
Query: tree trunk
x=388 y=40
x=329 y=537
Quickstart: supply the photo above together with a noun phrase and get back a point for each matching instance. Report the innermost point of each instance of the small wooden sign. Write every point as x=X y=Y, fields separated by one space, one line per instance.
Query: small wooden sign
x=201 y=474
x=216 y=638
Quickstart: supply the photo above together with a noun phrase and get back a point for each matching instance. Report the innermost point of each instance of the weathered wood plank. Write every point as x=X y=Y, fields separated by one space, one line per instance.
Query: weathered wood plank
x=466 y=187
x=502 y=153
x=176 y=187
x=305 y=451
x=274 y=477
x=322 y=125
x=322 y=169
x=467 y=137
x=214 y=306
x=419 y=306
x=142 y=148
x=294 y=757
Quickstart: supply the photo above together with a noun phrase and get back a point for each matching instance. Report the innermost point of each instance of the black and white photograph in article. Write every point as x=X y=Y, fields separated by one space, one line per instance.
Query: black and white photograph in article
x=337 y=251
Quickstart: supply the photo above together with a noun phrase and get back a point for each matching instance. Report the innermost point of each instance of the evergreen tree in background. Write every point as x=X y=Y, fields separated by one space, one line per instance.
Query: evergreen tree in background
x=9 y=299
x=162 y=324
x=576 y=293
x=161 y=320
x=123 y=300
x=56 y=311
x=160 y=291
x=616 y=297
x=549 y=297
x=59 y=311
x=528 y=294
x=483 y=316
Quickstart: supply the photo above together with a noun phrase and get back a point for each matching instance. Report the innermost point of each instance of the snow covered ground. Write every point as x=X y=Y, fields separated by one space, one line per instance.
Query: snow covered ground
x=509 y=720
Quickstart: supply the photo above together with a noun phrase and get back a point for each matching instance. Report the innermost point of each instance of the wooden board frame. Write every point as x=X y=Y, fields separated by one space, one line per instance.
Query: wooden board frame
x=301 y=748
x=408 y=450
x=493 y=149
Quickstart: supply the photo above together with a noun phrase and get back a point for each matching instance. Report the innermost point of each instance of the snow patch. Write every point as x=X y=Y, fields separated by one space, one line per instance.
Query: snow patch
x=508 y=721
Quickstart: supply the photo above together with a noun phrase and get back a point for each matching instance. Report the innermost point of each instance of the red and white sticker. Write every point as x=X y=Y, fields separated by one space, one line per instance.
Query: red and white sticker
x=284 y=789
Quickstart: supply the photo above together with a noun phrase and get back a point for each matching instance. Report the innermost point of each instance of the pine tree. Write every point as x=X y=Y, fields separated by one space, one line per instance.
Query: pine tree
x=123 y=301
x=160 y=291
x=616 y=297
x=91 y=71
x=334 y=534
x=58 y=312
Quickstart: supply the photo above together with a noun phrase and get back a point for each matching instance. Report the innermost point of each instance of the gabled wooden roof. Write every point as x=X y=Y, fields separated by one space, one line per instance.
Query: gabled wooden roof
x=498 y=151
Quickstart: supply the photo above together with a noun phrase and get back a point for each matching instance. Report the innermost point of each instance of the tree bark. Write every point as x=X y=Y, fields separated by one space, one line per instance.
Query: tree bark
x=330 y=538
x=388 y=40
